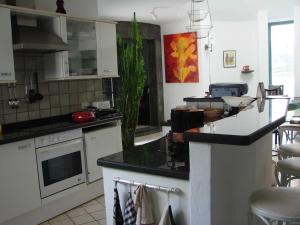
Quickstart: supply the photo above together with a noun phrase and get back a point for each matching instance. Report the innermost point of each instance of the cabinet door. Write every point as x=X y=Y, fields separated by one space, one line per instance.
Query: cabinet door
x=81 y=37
x=19 y=188
x=56 y=65
x=107 y=49
x=101 y=143
x=7 y=71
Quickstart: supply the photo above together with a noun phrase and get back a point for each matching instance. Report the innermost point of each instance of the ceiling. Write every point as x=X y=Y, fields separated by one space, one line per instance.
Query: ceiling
x=174 y=10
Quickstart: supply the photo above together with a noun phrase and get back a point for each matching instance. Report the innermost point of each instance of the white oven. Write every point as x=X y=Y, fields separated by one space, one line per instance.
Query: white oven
x=60 y=160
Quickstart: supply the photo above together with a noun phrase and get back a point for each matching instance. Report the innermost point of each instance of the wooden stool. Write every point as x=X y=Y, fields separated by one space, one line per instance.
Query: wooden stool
x=287 y=170
x=289 y=150
x=276 y=204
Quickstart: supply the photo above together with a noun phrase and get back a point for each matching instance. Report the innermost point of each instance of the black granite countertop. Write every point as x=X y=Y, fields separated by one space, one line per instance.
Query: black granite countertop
x=244 y=128
x=36 y=128
x=198 y=99
x=152 y=158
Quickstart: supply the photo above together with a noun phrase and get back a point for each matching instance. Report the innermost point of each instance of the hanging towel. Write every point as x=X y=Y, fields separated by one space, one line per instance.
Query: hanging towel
x=143 y=205
x=118 y=218
x=130 y=212
x=167 y=217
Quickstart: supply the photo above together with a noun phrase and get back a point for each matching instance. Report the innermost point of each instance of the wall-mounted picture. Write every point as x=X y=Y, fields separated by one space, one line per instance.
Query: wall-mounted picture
x=229 y=59
x=181 y=58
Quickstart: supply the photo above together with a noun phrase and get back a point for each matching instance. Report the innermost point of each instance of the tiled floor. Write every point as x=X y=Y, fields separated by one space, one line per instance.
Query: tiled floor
x=90 y=213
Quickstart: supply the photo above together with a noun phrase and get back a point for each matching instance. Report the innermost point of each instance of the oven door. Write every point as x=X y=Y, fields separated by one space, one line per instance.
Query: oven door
x=60 y=166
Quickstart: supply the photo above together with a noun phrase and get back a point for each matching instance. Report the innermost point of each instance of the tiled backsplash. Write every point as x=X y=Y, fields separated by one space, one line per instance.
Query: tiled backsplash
x=60 y=97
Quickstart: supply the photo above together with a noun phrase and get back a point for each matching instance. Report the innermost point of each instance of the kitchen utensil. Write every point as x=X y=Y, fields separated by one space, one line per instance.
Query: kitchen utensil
x=83 y=116
x=31 y=93
x=238 y=101
x=15 y=100
x=37 y=95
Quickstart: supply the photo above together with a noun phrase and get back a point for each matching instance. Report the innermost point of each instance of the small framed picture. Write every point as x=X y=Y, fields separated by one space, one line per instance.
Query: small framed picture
x=229 y=58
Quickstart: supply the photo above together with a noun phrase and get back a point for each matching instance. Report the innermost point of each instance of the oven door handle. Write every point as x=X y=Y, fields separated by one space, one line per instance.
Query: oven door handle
x=59 y=146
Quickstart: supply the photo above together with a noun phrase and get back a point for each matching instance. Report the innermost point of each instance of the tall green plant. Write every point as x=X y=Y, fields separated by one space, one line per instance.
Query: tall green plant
x=131 y=69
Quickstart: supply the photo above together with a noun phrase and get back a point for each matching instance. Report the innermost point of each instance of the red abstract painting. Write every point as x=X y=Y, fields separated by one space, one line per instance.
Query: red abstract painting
x=181 y=58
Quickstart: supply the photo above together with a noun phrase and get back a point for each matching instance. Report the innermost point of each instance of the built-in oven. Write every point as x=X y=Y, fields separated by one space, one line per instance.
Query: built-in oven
x=60 y=160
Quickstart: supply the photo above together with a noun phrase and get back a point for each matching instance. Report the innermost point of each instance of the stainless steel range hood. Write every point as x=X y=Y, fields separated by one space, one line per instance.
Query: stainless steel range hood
x=33 y=39
x=33 y=33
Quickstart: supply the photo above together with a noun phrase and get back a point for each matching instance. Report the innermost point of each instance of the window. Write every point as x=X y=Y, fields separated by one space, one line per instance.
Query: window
x=281 y=49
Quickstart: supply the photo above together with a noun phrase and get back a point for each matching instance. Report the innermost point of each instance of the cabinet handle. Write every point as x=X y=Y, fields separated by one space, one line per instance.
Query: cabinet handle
x=5 y=74
x=107 y=71
x=22 y=147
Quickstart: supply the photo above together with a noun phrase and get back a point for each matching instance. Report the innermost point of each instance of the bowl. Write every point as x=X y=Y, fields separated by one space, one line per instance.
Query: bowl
x=211 y=114
x=237 y=101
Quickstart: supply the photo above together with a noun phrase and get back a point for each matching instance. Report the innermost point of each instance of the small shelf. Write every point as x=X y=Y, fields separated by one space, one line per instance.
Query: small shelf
x=247 y=71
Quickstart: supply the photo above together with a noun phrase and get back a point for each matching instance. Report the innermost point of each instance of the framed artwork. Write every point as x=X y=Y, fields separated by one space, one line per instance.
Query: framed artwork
x=181 y=58
x=229 y=59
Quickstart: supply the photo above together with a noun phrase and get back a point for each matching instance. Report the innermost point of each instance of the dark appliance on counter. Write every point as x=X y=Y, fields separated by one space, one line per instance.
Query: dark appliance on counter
x=182 y=119
x=218 y=90
x=100 y=113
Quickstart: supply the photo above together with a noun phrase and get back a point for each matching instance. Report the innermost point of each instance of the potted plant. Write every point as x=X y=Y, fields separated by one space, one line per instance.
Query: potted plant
x=132 y=73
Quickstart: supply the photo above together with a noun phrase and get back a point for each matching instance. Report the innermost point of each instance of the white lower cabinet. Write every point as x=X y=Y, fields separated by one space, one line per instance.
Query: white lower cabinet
x=100 y=143
x=19 y=187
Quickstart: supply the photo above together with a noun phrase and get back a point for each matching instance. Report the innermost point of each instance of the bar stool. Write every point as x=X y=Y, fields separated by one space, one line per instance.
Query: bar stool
x=287 y=170
x=289 y=150
x=276 y=204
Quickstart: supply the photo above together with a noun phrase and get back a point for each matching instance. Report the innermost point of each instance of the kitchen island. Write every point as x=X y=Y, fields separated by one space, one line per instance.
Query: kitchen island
x=228 y=160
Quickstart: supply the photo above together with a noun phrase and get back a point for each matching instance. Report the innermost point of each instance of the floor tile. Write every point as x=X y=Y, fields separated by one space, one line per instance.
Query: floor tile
x=63 y=222
x=102 y=222
x=93 y=202
x=82 y=219
x=92 y=223
x=59 y=218
x=76 y=212
x=45 y=223
x=101 y=199
x=98 y=215
x=94 y=208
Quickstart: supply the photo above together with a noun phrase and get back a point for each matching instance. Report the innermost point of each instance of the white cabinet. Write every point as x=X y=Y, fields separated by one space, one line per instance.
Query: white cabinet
x=19 y=188
x=92 y=54
x=100 y=143
x=107 y=49
x=56 y=65
x=7 y=71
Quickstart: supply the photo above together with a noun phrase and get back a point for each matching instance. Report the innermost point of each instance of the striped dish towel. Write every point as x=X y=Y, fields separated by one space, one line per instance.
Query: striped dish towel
x=130 y=212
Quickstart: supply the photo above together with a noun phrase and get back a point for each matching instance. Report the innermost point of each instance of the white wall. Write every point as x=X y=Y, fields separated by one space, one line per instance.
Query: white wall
x=86 y=8
x=248 y=38
x=239 y=36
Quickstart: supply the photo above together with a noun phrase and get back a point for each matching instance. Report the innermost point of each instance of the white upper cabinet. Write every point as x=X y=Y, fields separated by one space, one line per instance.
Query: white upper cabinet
x=107 y=49
x=56 y=65
x=7 y=71
x=92 y=54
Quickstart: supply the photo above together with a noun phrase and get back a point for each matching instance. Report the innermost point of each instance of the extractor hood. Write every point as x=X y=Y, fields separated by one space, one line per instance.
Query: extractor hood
x=34 y=33
x=33 y=39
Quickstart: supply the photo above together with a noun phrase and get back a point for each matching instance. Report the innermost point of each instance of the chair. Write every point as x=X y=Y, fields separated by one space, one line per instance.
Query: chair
x=276 y=204
x=287 y=170
x=274 y=90
x=289 y=150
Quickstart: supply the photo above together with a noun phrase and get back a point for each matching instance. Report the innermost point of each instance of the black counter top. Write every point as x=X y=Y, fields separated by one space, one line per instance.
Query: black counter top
x=244 y=128
x=195 y=99
x=151 y=158
x=36 y=128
